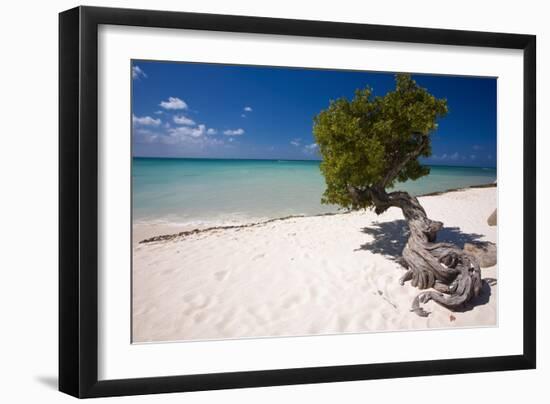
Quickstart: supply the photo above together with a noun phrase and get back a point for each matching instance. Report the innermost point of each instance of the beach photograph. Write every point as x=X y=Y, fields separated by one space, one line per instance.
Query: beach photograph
x=274 y=201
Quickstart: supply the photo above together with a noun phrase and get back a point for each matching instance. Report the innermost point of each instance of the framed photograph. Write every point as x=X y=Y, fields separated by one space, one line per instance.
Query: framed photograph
x=251 y=201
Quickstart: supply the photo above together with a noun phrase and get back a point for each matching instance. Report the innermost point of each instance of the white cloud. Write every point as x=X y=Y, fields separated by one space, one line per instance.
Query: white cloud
x=138 y=73
x=173 y=103
x=145 y=120
x=211 y=131
x=183 y=120
x=472 y=156
x=159 y=112
x=233 y=132
x=310 y=148
x=296 y=142
x=243 y=115
x=191 y=139
x=186 y=131
x=190 y=136
x=477 y=147
x=248 y=109
x=145 y=136
x=445 y=156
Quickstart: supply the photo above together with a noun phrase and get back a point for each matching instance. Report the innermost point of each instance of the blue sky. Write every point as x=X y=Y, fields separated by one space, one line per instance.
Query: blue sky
x=227 y=111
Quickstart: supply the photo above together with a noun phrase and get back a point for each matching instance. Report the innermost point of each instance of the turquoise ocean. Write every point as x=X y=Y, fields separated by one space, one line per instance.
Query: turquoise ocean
x=215 y=191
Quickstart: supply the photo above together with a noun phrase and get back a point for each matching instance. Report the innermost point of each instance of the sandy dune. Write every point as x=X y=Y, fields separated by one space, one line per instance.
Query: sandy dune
x=300 y=276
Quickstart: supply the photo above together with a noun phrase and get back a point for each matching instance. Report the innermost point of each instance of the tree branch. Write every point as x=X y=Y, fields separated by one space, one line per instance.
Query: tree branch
x=394 y=171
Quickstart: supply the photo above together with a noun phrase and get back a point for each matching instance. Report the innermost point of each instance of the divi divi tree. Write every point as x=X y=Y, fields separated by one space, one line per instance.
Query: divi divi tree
x=371 y=143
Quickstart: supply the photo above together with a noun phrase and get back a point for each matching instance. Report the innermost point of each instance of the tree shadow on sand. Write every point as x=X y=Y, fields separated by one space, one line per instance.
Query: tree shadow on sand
x=389 y=239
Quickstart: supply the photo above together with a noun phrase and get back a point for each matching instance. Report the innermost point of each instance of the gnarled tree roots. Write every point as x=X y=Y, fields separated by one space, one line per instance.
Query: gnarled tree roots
x=453 y=275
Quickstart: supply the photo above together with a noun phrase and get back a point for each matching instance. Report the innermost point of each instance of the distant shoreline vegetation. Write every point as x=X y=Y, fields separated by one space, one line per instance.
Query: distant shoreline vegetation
x=285 y=160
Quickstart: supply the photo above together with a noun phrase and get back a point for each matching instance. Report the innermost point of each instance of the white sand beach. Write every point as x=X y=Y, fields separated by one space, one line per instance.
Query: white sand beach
x=300 y=276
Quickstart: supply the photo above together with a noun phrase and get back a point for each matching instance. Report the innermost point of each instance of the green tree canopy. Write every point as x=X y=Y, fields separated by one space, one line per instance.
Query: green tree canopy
x=375 y=142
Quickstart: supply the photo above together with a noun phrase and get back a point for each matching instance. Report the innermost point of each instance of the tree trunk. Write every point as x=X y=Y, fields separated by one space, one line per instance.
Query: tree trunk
x=454 y=275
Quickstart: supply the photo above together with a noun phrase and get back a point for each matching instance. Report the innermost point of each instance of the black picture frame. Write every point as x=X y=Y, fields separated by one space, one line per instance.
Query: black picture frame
x=78 y=201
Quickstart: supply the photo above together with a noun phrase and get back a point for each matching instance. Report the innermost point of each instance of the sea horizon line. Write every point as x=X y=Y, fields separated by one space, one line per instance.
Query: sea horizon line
x=282 y=160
